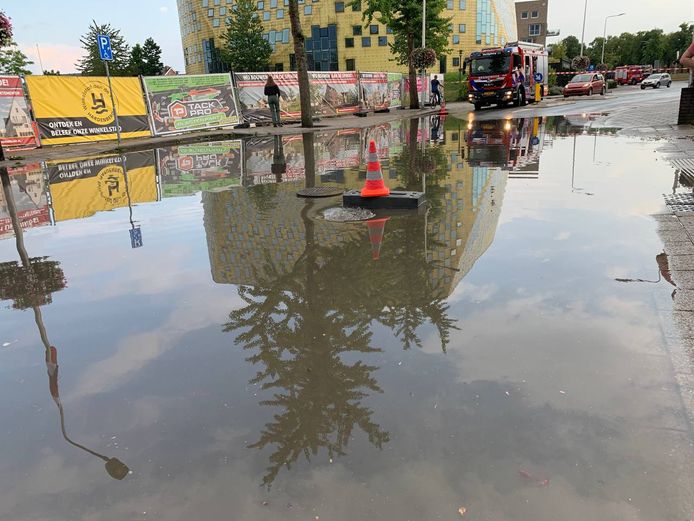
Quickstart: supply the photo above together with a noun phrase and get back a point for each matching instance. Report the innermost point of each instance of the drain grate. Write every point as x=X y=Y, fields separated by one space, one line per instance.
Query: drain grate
x=319 y=191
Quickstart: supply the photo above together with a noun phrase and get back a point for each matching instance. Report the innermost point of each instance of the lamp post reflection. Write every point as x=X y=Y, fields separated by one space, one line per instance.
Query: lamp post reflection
x=32 y=284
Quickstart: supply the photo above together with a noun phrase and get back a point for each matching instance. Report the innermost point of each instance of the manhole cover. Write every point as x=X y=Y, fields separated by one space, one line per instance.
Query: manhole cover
x=319 y=191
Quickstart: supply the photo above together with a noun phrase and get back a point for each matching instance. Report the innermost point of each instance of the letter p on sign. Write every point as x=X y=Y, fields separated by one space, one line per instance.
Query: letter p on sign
x=104 y=43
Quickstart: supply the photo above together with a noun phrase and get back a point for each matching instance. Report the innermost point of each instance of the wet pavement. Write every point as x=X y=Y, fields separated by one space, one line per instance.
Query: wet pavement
x=193 y=341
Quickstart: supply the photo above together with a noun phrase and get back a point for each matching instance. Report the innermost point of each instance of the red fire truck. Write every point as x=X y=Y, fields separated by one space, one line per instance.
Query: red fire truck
x=631 y=74
x=509 y=74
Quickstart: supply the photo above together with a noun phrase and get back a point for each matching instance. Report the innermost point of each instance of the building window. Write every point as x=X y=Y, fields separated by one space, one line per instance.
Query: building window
x=356 y=6
x=308 y=9
x=534 y=29
x=280 y=14
x=217 y=2
x=266 y=16
x=534 y=14
x=461 y=28
x=350 y=65
x=373 y=29
x=206 y=3
x=456 y=39
x=279 y=67
x=450 y=4
x=456 y=62
x=273 y=4
x=210 y=13
x=382 y=41
x=261 y=4
x=292 y=62
x=389 y=30
x=462 y=5
x=339 y=7
x=366 y=41
x=524 y=15
x=356 y=30
x=215 y=22
x=222 y=11
x=349 y=42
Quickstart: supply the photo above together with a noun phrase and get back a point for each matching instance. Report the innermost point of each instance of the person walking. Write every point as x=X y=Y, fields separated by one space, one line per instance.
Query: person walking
x=435 y=84
x=272 y=91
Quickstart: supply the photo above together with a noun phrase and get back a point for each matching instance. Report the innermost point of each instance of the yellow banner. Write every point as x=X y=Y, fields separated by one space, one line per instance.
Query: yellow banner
x=80 y=188
x=75 y=109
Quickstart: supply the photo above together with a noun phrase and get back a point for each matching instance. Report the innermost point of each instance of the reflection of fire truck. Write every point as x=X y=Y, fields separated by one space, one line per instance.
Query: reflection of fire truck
x=513 y=145
x=509 y=74
x=631 y=74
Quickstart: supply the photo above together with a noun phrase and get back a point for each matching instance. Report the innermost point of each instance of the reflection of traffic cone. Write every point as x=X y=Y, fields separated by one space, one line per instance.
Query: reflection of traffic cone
x=376 y=230
x=374 y=186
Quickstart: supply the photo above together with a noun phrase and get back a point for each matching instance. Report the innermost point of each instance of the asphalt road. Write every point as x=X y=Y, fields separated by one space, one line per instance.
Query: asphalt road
x=656 y=106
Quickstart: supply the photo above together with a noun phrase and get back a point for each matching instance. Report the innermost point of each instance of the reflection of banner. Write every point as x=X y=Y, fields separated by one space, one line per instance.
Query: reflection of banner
x=29 y=193
x=80 y=188
x=181 y=103
x=334 y=93
x=74 y=109
x=254 y=107
x=333 y=152
x=187 y=169
x=395 y=89
x=15 y=119
x=374 y=89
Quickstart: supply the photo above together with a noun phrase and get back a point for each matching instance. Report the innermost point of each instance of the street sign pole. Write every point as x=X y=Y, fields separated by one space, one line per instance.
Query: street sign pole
x=113 y=103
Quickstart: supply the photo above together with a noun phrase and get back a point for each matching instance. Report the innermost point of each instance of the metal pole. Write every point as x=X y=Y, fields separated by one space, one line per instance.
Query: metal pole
x=424 y=22
x=604 y=33
x=113 y=103
x=583 y=32
x=38 y=51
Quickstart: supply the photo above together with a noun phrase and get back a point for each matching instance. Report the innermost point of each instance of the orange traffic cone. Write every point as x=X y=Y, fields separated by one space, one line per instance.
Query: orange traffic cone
x=443 y=111
x=374 y=186
x=376 y=230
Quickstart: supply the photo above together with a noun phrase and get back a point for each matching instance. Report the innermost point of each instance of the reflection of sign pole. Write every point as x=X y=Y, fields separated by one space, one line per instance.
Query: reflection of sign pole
x=103 y=41
x=135 y=232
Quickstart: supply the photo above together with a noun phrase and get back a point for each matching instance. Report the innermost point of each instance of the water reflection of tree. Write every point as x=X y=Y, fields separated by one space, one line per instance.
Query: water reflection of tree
x=302 y=324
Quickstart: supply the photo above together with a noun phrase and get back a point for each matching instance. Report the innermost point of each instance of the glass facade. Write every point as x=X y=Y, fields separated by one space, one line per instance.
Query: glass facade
x=321 y=48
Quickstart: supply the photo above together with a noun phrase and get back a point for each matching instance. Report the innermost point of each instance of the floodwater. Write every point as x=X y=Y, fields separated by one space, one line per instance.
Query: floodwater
x=193 y=341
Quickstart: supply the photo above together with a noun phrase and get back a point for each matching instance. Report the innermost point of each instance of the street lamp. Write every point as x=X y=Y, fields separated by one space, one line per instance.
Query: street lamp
x=604 y=33
x=583 y=32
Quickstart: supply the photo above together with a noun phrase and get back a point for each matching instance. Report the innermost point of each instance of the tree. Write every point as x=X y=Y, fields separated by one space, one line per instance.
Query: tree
x=558 y=52
x=652 y=46
x=51 y=72
x=13 y=61
x=136 y=62
x=572 y=46
x=5 y=30
x=151 y=53
x=91 y=64
x=301 y=68
x=244 y=48
x=404 y=18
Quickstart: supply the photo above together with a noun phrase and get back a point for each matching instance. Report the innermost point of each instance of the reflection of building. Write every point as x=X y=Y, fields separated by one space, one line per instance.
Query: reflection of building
x=531 y=20
x=335 y=38
x=246 y=227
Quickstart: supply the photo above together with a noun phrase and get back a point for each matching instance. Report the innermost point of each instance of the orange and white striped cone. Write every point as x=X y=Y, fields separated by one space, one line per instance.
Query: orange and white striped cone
x=374 y=186
x=376 y=231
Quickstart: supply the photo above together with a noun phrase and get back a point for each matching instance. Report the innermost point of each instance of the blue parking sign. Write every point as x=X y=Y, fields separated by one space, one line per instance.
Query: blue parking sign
x=103 y=41
x=136 y=238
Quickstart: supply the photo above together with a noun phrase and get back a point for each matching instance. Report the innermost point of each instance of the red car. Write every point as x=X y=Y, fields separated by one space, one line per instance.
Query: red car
x=588 y=83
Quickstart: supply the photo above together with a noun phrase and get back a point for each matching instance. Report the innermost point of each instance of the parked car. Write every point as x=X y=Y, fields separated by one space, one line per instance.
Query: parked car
x=588 y=83
x=656 y=80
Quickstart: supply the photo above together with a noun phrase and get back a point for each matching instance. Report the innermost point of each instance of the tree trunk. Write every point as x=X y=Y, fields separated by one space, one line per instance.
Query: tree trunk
x=302 y=72
x=414 y=97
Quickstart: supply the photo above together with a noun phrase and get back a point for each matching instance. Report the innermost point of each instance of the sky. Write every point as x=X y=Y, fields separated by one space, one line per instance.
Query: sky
x=56 y=26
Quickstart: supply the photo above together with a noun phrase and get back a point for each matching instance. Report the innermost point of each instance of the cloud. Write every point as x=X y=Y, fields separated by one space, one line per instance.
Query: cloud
x=164 y=9
x=57 y=56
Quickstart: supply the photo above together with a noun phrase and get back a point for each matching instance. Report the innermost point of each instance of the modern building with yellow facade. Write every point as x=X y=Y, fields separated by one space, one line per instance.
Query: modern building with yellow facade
x=336 y=37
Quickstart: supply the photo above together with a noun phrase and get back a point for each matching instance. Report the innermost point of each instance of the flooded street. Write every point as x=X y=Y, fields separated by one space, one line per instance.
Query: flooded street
x=194 y=341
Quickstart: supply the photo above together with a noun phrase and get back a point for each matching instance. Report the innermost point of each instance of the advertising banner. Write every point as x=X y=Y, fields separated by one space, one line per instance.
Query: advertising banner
x=82 y=187
x=29 y=194
x=334 y=93
x=183 y=103
x=16 y=129
x=188 y=169
x=422 y=86
x=77 y=109
x=395 y=89
x=374 y=90
x=253 y=102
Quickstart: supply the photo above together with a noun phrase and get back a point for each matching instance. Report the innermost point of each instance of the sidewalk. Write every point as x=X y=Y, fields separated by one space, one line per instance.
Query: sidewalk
x=58 y=152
